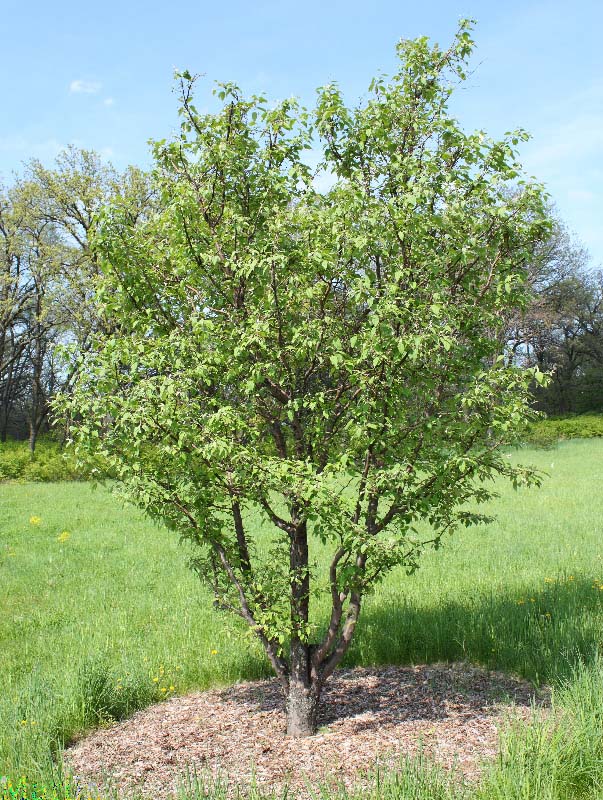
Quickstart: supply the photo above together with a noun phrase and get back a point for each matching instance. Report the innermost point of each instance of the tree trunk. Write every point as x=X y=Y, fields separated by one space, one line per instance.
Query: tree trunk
x=304 y=692
x=304 y=683
x=302 y=710
x=33 y=436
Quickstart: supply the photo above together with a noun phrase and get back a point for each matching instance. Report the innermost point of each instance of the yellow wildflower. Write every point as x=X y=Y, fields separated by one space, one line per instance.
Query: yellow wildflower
x=214 y=652
x=62 y=537
x=34 y=520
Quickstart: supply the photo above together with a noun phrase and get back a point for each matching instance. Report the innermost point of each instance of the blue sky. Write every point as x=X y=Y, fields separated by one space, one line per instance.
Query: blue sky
x=100 y=75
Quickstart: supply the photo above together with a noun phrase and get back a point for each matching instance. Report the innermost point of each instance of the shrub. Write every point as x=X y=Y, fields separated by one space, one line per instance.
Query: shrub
x=48 y=463
x=548 y=432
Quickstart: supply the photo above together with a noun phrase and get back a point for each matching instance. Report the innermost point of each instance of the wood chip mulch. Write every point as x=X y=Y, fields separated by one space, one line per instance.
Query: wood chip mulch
x=451 y=713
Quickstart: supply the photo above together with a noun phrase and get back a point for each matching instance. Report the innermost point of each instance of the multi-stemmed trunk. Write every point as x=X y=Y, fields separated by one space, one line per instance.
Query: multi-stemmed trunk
x=310 y=665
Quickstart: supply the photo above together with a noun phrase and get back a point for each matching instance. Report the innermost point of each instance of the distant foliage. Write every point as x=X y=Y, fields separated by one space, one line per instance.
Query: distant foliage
x=548 y=432
x=48 y=463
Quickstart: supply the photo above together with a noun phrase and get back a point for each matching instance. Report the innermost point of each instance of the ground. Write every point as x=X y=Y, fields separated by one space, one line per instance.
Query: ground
x=451 y=713
x=100 y=617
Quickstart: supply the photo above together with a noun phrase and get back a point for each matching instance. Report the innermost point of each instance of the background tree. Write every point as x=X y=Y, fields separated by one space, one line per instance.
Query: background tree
x=561 y=329
x=16 y=296
x=49 y=273
x=69 y=196
x=331 y=361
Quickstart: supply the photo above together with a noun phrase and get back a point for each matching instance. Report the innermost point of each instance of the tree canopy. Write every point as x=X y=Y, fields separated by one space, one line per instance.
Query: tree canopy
x=330 y=360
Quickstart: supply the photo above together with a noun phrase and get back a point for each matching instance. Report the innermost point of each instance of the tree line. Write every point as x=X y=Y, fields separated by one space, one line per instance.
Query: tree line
x=49 y=271
x=48 y=275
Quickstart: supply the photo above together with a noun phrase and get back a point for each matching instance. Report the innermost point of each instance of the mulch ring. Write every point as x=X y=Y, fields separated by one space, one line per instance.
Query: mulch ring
x=450 y=713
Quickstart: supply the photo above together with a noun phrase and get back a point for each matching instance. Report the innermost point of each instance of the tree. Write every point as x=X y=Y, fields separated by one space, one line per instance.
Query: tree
x=68 y=197
x=328 y=360
x=572 y=347
x=16 y=294
x=561 y=329
x=48 y=274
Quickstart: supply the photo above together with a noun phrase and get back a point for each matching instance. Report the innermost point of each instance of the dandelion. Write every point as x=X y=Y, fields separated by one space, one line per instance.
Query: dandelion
x=163 y=689
x=172 y=688
x=34 y=520
x=155 y=680
x=62 y=537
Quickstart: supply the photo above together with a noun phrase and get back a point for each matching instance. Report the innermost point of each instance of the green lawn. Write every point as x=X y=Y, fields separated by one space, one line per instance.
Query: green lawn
x=108 y=618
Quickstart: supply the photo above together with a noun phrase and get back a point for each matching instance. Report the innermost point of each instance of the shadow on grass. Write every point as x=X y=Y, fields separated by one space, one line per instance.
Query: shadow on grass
x=539 y=634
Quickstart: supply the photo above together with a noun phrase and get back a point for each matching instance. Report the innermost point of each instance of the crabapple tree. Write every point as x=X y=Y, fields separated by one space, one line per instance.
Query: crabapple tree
x=330 y=360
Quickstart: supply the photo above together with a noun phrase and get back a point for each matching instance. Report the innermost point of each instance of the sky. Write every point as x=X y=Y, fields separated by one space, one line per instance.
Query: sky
x=100 y=75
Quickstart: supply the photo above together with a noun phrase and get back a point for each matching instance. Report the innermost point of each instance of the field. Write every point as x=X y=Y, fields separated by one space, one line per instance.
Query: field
x=99 y=616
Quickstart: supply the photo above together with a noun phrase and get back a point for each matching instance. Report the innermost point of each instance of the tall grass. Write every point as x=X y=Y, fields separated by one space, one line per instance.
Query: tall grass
x=107 y=619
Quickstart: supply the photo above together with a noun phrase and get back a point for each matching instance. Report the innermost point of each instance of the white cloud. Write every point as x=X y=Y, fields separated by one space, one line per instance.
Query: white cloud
x=108 y=101
x=85 y=87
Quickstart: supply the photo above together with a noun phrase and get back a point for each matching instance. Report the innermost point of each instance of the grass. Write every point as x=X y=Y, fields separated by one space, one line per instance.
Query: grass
x=99 y=616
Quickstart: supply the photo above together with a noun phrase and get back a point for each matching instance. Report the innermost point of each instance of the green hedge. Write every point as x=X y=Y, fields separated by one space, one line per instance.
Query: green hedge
x=548 y=432
x=48 y=463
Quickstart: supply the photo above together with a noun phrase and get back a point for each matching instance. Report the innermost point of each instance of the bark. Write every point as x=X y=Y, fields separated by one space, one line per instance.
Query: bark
x=302 y=709
x=33 y=437
x=304 y=683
